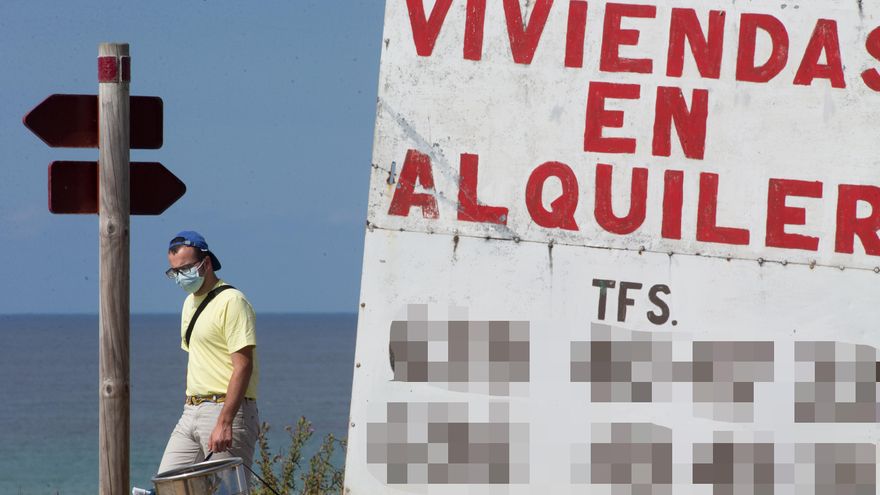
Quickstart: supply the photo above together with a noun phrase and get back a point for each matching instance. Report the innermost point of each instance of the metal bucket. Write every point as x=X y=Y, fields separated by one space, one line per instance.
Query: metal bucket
x=218 y=477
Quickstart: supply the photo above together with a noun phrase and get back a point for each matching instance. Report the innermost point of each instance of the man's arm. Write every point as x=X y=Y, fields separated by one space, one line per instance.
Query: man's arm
x=242 y=367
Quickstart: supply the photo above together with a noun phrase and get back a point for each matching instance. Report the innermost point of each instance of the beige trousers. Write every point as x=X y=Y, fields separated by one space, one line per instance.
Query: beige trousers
x=189 y=440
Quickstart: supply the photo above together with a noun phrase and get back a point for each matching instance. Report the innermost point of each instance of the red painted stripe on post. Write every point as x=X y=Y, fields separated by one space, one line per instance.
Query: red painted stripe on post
x=108 y=70
x=126 y=69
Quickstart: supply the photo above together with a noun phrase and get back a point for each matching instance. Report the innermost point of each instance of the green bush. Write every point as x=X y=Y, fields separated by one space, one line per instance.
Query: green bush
x=284 y=471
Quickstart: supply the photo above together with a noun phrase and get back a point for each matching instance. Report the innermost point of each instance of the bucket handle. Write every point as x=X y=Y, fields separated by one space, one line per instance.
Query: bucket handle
x=211 y=452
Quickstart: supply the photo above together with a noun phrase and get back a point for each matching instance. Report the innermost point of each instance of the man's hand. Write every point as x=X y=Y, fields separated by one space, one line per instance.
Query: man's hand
x=221 y=437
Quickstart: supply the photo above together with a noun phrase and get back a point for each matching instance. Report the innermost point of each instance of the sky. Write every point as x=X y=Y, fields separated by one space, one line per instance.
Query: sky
x=269 y=110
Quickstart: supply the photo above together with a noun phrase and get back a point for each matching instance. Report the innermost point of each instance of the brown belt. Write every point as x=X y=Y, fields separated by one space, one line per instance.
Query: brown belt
x=194 y=400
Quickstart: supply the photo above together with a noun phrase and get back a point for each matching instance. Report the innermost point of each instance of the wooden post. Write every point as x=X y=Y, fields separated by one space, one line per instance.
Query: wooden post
x=113 y=186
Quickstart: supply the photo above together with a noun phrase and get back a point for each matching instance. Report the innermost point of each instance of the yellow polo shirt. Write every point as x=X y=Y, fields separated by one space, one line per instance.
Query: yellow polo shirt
x=226 y=325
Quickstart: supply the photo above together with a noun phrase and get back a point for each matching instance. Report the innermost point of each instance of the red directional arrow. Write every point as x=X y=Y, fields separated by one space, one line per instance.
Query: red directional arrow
x=71 y=121
x=73 y=188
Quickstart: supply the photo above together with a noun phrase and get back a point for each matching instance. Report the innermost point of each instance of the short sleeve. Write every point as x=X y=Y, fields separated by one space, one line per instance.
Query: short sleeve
x=240 y=325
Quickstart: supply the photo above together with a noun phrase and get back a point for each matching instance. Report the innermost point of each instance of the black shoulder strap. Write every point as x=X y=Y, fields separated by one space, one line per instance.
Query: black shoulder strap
x=195 y=316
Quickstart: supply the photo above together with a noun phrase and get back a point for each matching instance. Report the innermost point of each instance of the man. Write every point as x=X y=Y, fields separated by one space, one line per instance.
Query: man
x=220 y=414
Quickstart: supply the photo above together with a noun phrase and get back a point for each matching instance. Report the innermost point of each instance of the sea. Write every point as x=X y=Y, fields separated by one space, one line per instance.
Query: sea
x=49 y=392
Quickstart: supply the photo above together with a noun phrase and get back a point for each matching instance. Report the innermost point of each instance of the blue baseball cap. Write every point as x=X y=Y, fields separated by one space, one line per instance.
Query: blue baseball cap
x=194 y=239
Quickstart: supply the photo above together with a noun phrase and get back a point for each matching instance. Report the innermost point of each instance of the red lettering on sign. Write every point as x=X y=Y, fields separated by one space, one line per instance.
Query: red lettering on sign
x=779 y=215
x=613 y=36
x=425 y=30
x=574 y=38
x=673 y=197
x=416 y=169
x=473 y=29
x=561 y=213
x=707 y=210
x=598 y=117
x=824 y=39
x=849 y=225
x=872 y=44
x=746 y=70
x=469 y=207
x=707 y=50
x=524 y=40
x=604 y=212
x=690 y=125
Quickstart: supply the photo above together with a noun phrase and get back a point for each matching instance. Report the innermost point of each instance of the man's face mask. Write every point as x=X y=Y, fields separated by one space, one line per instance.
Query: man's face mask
x=188 y=278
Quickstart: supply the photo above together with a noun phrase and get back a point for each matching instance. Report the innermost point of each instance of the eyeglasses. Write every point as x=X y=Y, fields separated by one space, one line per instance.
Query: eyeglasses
x=173 y=272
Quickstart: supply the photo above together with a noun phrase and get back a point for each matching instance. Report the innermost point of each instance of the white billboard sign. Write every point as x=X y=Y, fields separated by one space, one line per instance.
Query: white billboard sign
x=622 y=248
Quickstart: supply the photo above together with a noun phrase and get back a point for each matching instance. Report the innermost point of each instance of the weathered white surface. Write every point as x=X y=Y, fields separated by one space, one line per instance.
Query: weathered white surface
x=713 y=300
x=516 y=117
